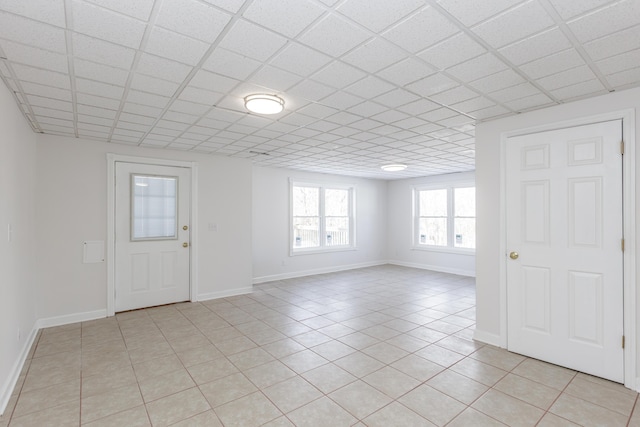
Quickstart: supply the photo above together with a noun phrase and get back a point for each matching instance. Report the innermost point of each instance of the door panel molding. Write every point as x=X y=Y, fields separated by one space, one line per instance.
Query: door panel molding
x=112 y=159
x=628 y=117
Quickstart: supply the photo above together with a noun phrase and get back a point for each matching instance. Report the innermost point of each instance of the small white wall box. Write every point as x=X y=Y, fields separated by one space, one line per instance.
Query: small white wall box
x=93 y=251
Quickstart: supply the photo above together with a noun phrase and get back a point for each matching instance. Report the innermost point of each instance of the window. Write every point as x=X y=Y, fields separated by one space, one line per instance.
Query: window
x=445 y=217
x=154 y=214
x=321 y=217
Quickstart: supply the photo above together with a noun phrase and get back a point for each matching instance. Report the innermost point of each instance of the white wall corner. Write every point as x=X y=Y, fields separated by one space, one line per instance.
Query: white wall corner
x=71 y=318
x=438 y=268
x=225 y=294
x=488 y=338
x=304 y=273
x=7 y=388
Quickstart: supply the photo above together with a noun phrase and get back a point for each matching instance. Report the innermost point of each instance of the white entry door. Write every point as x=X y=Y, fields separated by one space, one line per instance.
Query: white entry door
x=564 y=248
x=152 y=235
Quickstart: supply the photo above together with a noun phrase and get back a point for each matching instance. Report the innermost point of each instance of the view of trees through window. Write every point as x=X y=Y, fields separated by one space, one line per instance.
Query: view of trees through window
x=446 y=217
x=321 y=217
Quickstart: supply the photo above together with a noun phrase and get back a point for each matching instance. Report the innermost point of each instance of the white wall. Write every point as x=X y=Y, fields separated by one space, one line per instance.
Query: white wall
x=400 y=229
x=72 y=207
x=17 y=258
x=271 y=226
x=490 y=260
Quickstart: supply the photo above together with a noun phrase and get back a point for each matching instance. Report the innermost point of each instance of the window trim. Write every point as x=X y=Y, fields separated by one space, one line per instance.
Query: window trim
x=415 y=239
x=293 y=251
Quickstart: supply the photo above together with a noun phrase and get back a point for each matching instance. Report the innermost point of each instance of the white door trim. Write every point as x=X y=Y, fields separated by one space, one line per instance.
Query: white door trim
x=111 y=204
x=629 y=221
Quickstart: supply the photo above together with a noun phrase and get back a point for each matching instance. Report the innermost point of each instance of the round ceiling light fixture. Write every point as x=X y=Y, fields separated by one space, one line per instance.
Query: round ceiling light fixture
x=393 y=168
x=261 y=103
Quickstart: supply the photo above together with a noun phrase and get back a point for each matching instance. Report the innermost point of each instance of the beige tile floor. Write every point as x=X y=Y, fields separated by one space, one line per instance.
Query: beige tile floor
x=382 y=346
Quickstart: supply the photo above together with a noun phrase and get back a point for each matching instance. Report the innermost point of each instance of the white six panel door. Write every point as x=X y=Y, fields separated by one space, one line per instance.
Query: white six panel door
x=152 y=235
x=565 y=260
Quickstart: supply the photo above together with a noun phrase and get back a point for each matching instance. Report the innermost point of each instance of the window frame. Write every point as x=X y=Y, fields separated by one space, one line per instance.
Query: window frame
x=450 y=247
x=322 y=187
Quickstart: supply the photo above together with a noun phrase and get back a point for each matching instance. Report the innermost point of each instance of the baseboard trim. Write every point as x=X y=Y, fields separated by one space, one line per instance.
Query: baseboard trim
x=438 y=268
x=324 y=270
x=9 y=385
x=225 y=294
x=487 y=338
x=71 y=318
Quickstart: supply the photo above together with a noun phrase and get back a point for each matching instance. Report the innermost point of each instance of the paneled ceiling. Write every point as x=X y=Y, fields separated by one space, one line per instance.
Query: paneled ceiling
x=366 y=82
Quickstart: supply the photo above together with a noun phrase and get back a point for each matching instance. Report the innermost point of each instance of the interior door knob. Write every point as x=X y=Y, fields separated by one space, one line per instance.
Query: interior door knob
x=185 y=245
x=514 y=255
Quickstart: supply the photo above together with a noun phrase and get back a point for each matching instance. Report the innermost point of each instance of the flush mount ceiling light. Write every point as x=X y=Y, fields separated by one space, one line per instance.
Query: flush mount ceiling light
x=264 y=104
x=393 y=168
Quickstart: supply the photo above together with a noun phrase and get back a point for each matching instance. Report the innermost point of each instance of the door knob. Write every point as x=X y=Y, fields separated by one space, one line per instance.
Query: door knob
x=185 y=227
x=514 y=255
x=185 y=245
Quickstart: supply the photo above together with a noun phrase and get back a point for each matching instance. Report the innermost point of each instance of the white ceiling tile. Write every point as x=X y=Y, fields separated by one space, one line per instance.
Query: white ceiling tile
x=192 y=18
x=231 y=64
x=162 y=68
x=419 y=107
x=579 y=90
x=46 y=91
x=607 y=20
x=139 y=9
x=48 y=112
x=514 y=92
x=289 y=59
x=97 y=101
x=32 y=33
x=377 y=15
x=343 y=118
x=569 y=9
x=396 y=98
x=176 y=47
x=614 y=44
x=490 y=113
x=55 y=104
x=515 y=24
x=374 y=55
x=452 y=51
x=274 y=79
x=97 y=88
x=334 y=36
x=478 y=67
x=135 y=118
x=342 y=100
x=189 y=107
x=40 y=76
x=134 y=126
x=432 y=84
x=566 y=78
x=229 y=5
x=338 y=75
x=175 y=116
x=288 y=17
x=102 y=51
x=153 y=85
x=553 y=64
x=99 y=72
x=369 y=87
x=422 y=30
x=618 y=63
x=454 y=95
x=253 y=41
x=317 y=111
x=214 y=82
x=536 y=46
x=470 y=13
x=311 y=90
x=390 y=116
x=103 y=24
x=522 y=104
x=149 y=99
x=36 y=57
x=497 y=81
x=406 y=71
x=49 y=11
x=297 y=119
x=624 y=78
x=439 y=114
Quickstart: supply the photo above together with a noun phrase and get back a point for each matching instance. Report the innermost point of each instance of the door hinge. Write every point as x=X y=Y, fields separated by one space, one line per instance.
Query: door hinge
x=622 y=147
x=623 y=341
x=622 y=245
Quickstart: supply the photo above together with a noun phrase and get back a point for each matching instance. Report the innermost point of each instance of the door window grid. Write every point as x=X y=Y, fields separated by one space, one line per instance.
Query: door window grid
x=154 y=207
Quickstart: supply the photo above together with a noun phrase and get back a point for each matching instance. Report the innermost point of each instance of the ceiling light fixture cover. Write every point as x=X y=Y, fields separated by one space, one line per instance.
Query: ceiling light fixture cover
x=264 y=104
x=393 y=168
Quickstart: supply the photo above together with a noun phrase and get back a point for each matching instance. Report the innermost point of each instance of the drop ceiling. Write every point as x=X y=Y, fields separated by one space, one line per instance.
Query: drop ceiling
x=366 y=82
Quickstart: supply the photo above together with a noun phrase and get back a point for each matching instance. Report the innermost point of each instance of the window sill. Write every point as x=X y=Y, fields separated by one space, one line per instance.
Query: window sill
x=443 y=249
x=311 y=251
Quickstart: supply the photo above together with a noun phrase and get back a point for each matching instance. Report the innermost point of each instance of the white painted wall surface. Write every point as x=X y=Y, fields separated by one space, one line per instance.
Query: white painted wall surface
x=400 y=229
x=17 y=258
x=271 y=226
x=489 y=215
x=72 y=207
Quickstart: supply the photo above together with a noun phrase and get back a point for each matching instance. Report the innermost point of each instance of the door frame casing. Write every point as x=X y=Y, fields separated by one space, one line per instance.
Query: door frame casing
x=629 y=223
x=112 y=159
